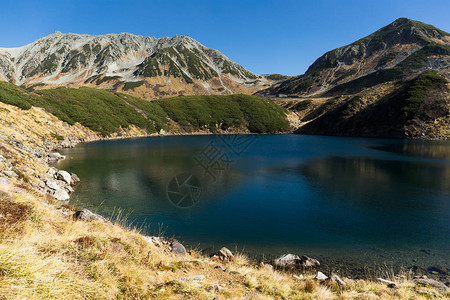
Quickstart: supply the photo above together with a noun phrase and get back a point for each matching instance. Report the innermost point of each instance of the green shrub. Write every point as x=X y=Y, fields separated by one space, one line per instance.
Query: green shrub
x=132 y=85
x=352 y=105
x=106 y=112
x=277 y=77
x=98 y=110
x=302 y=105
x=106 y=79
x=417 y=93
x=13 y=95
x=225 y=112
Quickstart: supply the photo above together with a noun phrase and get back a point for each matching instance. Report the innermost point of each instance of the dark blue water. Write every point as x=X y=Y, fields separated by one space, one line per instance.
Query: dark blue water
x=351 y=201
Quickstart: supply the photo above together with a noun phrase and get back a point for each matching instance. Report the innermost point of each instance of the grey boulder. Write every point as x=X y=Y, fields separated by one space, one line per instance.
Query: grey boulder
x=52 y=184
x=75 y=178
x=389 y=283
x=64 y=176
x=61 y=195
x=178 y=248
x=224 y=255
x=433 y=283
x=295 y=261
x=86 y=215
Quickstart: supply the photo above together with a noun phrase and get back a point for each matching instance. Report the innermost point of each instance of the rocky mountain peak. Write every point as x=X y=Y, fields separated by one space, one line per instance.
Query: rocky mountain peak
x=82 y=59
x=403 y=47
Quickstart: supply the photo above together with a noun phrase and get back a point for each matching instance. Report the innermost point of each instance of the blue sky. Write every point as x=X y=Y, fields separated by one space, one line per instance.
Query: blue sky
x=278 y=36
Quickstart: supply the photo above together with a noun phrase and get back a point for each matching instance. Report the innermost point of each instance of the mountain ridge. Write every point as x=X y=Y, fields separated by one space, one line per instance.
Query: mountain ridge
x=404 y=45
x=164 y=66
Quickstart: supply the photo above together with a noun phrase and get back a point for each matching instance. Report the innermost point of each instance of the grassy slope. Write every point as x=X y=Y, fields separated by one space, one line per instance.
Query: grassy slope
x=411 y=109
x=105 y=112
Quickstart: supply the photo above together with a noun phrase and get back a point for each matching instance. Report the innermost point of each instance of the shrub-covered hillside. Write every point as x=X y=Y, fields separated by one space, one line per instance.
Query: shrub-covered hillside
x=107 y=113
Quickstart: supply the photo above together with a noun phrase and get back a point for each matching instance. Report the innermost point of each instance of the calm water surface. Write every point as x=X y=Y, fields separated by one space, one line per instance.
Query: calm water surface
x=351 y=202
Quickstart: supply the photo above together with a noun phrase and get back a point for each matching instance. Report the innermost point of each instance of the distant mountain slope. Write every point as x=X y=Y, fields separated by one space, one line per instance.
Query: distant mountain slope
x=397 y=51
x=392 y=83
x=418 y=108
x=144 y=66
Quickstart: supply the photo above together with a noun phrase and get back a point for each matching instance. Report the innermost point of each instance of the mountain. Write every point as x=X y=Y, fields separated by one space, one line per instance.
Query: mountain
x=392 y=83
x=396 y=51
x=143 y=66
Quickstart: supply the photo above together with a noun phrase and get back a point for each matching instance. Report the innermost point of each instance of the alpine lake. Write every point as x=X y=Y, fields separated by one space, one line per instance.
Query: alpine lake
x=358 y=205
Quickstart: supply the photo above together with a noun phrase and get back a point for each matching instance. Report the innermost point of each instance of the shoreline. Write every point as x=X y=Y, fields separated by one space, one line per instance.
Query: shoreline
x=67 y=142
x=251 y=261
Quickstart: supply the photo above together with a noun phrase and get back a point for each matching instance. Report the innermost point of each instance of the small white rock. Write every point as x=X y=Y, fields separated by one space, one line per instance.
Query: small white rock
x=321 y=276
x=389 y=283
x=153 y=240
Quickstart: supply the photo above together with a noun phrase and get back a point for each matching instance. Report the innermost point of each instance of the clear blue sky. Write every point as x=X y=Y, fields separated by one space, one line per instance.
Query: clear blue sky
x=278 y=36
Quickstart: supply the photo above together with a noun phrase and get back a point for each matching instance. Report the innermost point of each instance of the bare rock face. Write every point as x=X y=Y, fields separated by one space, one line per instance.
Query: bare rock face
x=308 y=262
x=224 y=255
x=55 y=156
x=377 y=54
x=286 y=261
x=86 y=215
x=153 y=240
x=126 y=55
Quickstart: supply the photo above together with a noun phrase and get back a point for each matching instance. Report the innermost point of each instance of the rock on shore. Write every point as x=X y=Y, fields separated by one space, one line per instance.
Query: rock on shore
x=295 y=261
x=58 y=183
